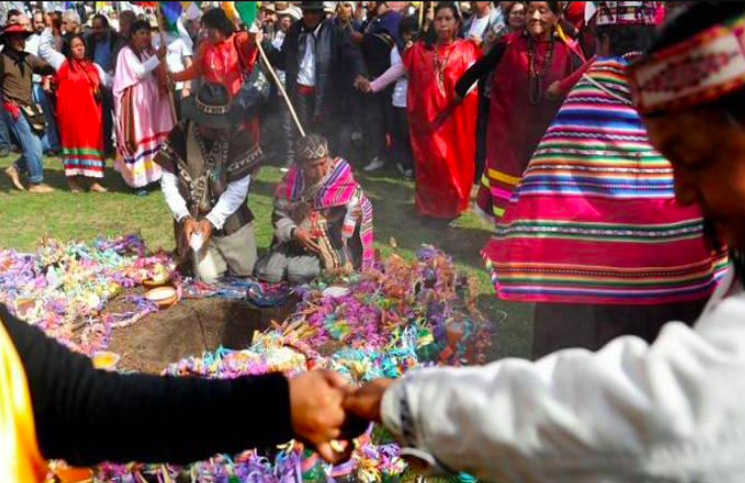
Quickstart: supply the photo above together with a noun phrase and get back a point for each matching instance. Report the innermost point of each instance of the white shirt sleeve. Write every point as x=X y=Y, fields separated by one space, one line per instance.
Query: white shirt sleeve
x=234 y=195
x=106 y=79
x=47 y=52
x=142 y=69
x=670 y=411
x=174 y=200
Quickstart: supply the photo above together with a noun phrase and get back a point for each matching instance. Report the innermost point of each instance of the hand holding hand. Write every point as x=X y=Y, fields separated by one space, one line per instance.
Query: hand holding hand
x=365 y=402
x=317 y=414
x=161 y=52
x=362 y=84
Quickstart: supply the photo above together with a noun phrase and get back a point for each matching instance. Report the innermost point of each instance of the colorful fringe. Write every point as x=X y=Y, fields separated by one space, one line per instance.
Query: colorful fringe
x=594 y=219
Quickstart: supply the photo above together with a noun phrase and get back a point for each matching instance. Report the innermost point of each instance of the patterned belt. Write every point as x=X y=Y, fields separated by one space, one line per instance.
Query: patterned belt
x=306 y=90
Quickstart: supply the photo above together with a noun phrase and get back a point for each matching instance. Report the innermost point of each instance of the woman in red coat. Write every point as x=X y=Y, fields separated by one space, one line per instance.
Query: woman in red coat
x=443 y=132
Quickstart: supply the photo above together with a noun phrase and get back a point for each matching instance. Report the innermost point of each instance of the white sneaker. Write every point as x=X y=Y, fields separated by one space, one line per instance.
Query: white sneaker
x=407 y=173
x=375 y=165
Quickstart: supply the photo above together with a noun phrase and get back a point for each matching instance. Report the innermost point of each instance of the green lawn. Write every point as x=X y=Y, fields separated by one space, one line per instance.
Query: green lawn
x=64 y=215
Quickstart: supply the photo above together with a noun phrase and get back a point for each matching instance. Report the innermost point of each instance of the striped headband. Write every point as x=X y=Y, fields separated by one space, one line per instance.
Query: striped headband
x=702 y=68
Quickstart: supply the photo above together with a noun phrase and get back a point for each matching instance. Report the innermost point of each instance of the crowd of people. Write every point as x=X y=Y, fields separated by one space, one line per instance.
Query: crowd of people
x=604 y=141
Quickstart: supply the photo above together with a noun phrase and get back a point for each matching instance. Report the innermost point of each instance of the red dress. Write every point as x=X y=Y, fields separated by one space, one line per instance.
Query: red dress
x=515 y=124
x=444 y=158
x=80 y=119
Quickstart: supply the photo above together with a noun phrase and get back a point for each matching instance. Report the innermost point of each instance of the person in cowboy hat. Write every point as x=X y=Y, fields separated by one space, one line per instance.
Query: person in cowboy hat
x=321 y=65
x=208 y=162
x=25 y=118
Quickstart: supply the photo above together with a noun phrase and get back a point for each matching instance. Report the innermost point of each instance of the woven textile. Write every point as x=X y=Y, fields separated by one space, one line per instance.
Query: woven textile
x=594 y=219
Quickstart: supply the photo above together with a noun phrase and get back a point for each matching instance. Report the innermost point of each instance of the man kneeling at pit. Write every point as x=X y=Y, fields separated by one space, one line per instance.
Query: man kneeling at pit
x=207 y=163
x=323 y=221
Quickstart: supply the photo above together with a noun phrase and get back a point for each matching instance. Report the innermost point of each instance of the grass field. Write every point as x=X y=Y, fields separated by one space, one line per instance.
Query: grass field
x=64 y=215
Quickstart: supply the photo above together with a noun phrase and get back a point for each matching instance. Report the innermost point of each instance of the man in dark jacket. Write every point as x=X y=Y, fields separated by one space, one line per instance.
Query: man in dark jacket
x=104 y=45
x=380 y=35
x=320 y=60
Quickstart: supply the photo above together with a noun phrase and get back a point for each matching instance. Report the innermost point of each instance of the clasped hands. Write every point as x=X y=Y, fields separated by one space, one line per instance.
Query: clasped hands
x=325 y=409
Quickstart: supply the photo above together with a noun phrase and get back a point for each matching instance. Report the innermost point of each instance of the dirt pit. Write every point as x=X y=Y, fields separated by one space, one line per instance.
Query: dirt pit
x=190 y=327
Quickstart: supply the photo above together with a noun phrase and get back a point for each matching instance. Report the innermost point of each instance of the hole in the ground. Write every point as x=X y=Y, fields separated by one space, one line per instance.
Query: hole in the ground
x=191 y=327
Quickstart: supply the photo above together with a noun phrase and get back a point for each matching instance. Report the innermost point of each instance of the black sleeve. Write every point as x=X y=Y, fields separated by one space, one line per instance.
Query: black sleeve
x=86 y=416
x=351 y=54
x=478 y=70
x=277 y=57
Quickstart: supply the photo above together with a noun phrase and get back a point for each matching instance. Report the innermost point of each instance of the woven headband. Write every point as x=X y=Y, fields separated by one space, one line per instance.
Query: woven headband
x=310 y=149
x=702 y=68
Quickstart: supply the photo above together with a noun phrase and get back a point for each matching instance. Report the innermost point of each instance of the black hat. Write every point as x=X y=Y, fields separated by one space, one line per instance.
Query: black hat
x=312 y=6
x=211 y=107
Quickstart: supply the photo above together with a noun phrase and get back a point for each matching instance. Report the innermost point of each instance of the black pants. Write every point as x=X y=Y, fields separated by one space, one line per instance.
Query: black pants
x=379 y=117
x=401 y=142
x=107 y=113
x=305 y=107
x=561 y=326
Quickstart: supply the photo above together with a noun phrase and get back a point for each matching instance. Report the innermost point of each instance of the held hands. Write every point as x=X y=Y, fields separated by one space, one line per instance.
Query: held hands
x=324 y=408
x=161 y=52
x=362 y=84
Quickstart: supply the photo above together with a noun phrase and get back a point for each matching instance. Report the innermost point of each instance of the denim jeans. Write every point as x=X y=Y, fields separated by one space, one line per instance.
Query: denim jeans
x=5 y=141
x=31 y=154
x=51 y=138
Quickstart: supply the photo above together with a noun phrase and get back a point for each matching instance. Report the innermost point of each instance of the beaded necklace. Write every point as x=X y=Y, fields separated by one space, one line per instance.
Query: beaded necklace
x=535 y=76
x=440 y=68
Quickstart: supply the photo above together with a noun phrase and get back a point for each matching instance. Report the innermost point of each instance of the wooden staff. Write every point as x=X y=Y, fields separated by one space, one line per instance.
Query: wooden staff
x=281 y=89
x=162 y=32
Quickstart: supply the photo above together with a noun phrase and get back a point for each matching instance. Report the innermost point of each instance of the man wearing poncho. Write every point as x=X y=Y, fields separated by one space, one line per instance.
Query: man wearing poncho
x=207 y=163
x=323 y=221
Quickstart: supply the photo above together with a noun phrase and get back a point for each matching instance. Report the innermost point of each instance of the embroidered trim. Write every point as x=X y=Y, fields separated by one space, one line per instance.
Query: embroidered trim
x=704 y=67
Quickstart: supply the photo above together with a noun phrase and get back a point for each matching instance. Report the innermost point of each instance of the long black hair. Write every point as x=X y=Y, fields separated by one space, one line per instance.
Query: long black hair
x=67 y=46
x=430 y=39
x=216 y=18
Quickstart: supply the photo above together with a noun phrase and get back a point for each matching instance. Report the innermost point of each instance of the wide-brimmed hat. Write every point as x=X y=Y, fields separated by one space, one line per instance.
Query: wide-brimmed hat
x=14 y=29
x=211 y=107
x=292 y=11
x=312 y=6
x=268 y=6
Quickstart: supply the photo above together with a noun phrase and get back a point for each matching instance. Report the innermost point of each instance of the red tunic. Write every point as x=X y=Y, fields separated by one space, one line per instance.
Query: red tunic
x=80 y=119
x=515 y=125
x=444 y=158
x=225 y=63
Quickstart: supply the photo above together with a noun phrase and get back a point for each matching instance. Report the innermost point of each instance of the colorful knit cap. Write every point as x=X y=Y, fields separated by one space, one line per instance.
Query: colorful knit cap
x=626 y=13
x=701 y=68
x=311 y=147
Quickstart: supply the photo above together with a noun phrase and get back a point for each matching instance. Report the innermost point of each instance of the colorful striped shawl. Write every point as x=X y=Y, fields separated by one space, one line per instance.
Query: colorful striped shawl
x=594 y=218
x=337 y=190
